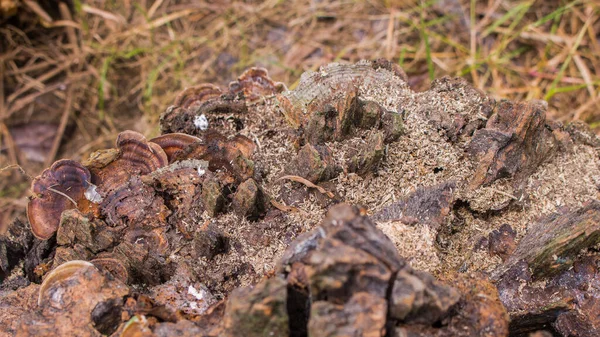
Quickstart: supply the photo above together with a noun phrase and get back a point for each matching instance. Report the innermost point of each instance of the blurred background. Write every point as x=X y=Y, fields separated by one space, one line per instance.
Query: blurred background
x=75 y=73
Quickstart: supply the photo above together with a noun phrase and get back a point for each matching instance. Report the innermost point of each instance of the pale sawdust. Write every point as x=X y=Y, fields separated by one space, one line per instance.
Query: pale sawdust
x=566 y=181
x=422 y=157
x=415 y=243
x=258 y=257
x=496 y=196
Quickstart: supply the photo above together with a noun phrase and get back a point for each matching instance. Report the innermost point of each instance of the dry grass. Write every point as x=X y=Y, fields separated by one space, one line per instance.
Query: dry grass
x=84 y=72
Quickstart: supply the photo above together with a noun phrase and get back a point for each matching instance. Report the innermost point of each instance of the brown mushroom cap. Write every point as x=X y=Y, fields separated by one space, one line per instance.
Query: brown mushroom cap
x=147 y=159
x=173 y=143
x=216 y=146
x=254 y=83
x=196 y=95
x=58 y=188
x=205 y=103
x=137 y=156
x=221 y=153
x=61 y=273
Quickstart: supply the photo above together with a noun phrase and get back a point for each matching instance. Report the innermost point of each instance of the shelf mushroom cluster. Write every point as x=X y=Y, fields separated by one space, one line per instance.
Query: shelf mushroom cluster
x=125 y=199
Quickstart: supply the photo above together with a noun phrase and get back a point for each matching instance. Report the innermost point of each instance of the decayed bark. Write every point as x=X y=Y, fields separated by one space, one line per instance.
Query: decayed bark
x=227 y=224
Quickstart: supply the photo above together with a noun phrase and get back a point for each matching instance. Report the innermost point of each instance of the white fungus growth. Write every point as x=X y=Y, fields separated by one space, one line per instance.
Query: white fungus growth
x=201 y=171
x=92 y=195
x=199 y=295
x=201 y=122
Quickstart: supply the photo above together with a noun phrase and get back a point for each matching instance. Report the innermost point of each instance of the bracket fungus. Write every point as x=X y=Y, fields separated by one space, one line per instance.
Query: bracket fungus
x=206 y=106
x=58 y=188
x=220 y=152
x=195 y=96
x=136 y=156
x=211 y=146
x=197 y=108
x=255 y=83
x=175 y=143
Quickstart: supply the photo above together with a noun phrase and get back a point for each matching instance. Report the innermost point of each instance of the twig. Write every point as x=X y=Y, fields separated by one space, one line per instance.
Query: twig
x=503 y=193
x=61 y=127
x=584 y=107
x=284 y=208
x=153 y=8
x=22 y=102
x=66 y=15
x=2 y=90
x=585 y=73
x=63 y=194
x=10 y=144
x=103 y=14
x=64 y=23
x=37 y=9
x=389 y=41
x=307 y=183
x=38 y=81
x=544 y=37
x=570 y=80
x=19 y=167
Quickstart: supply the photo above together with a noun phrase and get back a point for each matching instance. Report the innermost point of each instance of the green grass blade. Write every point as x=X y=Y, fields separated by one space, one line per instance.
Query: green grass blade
x=566 y=63
x=518 y=12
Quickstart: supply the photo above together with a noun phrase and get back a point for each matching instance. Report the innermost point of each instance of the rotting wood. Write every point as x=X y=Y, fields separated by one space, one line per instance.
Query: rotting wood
x=180 y=222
